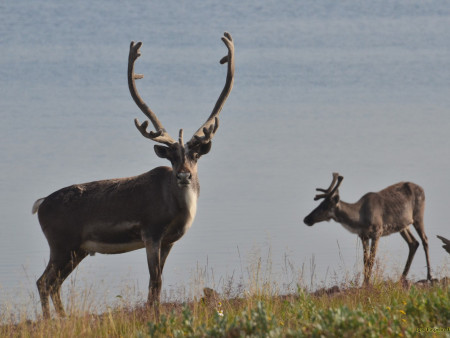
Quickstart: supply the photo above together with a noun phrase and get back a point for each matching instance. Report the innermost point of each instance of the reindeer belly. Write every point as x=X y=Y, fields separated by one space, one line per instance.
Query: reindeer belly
x=393 y=228
x=111 y=248
x=113 y=238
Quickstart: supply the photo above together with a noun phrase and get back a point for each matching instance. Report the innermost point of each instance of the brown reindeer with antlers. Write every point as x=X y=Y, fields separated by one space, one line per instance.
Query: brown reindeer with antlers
x=150 y=211
x=375 y=215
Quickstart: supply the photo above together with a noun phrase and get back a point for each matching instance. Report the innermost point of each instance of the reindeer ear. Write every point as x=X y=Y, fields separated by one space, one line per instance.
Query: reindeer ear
x=162 y=151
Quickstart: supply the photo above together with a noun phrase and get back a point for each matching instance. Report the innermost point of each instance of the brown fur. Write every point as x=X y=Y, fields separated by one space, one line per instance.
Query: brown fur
x=379 y=214
x=152 y=210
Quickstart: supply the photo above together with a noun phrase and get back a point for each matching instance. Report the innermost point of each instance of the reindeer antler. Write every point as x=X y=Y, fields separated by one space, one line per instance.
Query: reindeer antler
x=160 y=135
x=206 y=132
x=446 y=242
x=330 y=191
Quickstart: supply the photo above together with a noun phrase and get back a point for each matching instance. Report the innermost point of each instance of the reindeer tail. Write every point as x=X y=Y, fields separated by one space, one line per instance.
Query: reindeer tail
x=36 y=205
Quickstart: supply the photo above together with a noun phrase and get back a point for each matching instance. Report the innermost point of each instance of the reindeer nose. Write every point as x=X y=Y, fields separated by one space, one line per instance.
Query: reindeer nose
x=184 y=176
x=307 y=220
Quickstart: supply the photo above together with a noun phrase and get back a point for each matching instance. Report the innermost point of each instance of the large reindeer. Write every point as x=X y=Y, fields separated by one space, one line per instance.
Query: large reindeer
x=150 y=211
x=376 y=214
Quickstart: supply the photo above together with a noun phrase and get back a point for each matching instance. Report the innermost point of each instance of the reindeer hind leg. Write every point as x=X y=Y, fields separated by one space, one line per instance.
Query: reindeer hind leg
x=419 y=226
x=59 y=267
x=413 y=244
x=55 y=292
x=43 y=289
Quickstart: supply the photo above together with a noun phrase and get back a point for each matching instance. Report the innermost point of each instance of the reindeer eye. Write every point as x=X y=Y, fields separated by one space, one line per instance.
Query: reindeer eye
x=194 y=155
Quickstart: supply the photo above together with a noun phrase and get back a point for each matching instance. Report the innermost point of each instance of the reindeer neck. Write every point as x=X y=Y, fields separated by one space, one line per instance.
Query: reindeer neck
x=187 y=196
x=348 y=214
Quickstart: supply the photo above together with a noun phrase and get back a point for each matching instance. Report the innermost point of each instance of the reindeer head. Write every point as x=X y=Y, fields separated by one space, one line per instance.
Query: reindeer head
x=183 y=157
x=326 y=209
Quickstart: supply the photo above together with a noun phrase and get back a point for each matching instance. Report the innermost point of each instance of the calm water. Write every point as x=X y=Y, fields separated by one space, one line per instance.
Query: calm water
x=320 y=86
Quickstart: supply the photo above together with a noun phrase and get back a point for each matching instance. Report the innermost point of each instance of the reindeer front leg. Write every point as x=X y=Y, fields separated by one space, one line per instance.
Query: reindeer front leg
x=373 y=252
x=365 y=244
x=153 y=249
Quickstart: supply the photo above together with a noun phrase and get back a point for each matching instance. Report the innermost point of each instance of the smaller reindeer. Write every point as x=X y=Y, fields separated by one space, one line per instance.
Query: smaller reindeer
x=376 y=214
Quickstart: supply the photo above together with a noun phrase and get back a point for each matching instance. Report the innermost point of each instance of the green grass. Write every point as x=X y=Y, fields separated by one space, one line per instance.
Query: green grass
x=384 y=309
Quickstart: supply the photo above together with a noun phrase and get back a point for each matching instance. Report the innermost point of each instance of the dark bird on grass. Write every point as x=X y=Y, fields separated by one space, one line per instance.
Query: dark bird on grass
x=446 y=245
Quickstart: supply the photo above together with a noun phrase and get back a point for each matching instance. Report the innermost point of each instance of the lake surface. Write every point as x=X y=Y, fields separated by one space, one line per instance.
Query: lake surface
x=320 y=86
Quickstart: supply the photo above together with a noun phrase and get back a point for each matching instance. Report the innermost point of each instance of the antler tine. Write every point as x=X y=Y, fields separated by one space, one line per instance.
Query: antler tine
x=180 y=137
x=336 y=187
x=330 y=190
x=160 y=135
x=206 y=132
x=335 y=177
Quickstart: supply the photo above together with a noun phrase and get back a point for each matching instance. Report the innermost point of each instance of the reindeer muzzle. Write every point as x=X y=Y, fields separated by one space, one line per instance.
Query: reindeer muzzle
x=308 y=221
x=184 y=178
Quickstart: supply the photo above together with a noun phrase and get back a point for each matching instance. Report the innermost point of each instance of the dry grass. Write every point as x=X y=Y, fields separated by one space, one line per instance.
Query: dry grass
x=257 y=306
